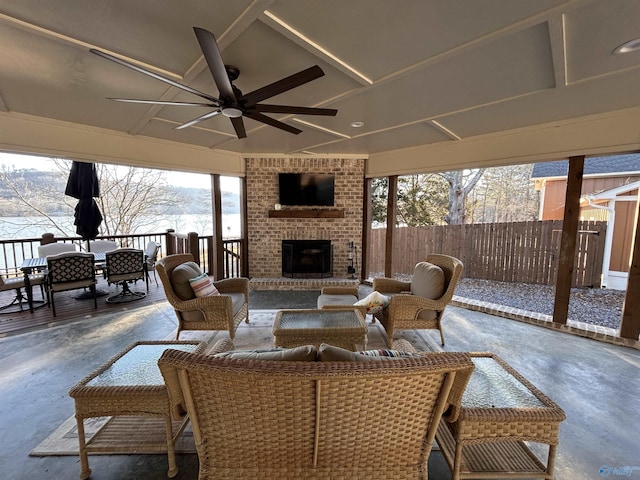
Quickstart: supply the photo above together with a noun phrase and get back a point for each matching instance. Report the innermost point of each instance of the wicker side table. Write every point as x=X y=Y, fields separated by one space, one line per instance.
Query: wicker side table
x=128 y=385
x=344 y=328
x=500 y=411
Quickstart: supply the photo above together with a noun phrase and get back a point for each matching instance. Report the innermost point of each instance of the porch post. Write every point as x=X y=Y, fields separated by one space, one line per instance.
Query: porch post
x=244 y=230
x=630 y=326
x=366 y=229
x=564 y=277
x=216 y=199
x=392 y=203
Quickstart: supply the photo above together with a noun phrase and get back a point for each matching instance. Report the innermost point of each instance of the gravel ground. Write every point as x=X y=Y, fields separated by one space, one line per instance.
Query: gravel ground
x=590 y=305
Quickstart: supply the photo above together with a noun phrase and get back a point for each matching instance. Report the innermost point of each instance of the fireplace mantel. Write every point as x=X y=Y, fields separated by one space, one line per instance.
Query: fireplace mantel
x=308 y=213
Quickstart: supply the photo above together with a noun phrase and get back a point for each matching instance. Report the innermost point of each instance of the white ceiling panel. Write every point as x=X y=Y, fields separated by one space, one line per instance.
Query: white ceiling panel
x=390 y=36
x=477 y=66
x=594 y=31
x=619 y=92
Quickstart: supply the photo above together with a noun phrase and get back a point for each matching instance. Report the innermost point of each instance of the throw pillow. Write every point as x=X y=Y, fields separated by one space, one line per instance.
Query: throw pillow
x=203 y=286
x=428 y=281
x=329 y=353
x=305 y=353
x=180 y=279
x=374 y=302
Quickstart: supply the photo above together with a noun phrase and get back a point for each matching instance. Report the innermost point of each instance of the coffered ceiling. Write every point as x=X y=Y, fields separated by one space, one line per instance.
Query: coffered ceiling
x=416 y=73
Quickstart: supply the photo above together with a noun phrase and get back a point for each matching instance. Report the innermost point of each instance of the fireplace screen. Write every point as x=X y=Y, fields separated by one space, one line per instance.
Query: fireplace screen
x=307 y=259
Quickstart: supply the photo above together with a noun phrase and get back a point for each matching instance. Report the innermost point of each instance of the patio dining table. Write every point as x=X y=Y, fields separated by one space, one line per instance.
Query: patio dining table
x=37 y=264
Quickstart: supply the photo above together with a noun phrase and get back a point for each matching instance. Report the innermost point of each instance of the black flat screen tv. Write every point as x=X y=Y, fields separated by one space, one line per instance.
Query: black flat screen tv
x=308 y=189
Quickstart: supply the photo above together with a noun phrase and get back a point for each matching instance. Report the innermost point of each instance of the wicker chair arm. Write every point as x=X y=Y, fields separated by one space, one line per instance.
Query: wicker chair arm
x=390 y=285
x=420 y=303
x=204 y=303
x=233 y=285
x=222 y=345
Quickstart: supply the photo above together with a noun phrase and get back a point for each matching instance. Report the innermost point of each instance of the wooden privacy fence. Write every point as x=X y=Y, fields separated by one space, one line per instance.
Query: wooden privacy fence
x=524 y=252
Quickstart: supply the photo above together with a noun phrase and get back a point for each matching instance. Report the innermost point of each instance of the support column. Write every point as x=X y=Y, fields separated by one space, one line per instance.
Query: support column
x=564 y=277
x=366 y=229
x=392 y=203
x=630 y=326
x=244 y=256
x=218 y=248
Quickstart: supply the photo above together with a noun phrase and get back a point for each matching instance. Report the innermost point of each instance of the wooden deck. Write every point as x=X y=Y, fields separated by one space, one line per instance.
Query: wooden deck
x=69 y=308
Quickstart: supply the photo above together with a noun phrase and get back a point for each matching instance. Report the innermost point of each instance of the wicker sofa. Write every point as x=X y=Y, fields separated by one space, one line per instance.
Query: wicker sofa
x=257 y=418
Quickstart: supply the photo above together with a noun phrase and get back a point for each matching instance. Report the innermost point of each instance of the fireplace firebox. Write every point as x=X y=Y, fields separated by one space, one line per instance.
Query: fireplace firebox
x=307 y=259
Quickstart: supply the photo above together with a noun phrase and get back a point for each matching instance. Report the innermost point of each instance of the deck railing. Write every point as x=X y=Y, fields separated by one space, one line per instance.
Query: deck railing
x=14 y=252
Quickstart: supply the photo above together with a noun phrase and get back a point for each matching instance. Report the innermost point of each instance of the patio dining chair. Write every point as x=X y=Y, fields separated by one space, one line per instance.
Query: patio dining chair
x=151 y=252
x=18 y=283
x=55 y=248
x=102 y=246
x=70 y=271
x=124 y=266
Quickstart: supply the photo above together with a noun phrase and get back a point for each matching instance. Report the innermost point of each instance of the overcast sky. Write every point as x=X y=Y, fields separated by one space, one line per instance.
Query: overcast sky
x=181 y=179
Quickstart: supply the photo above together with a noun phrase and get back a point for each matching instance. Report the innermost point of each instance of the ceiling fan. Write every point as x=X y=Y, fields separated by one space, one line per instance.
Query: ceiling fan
x=232 y=102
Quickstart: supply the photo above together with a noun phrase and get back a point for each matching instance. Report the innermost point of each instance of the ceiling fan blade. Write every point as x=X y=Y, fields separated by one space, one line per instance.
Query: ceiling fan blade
x=262 y=107
x=272 y=121
x=162 y=102
x=238 y=126
x=282 y=85
x=157 y=76
x=201 y=118
x=211 y=53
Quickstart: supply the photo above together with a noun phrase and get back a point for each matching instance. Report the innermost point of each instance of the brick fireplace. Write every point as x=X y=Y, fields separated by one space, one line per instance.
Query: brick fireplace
x=268 y=227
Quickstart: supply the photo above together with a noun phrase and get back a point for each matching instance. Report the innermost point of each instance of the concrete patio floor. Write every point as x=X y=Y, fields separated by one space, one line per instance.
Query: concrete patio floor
x=595 y=383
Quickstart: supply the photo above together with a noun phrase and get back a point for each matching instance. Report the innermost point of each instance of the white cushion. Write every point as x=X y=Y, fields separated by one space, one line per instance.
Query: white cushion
x=330 y=299
x=374 y=302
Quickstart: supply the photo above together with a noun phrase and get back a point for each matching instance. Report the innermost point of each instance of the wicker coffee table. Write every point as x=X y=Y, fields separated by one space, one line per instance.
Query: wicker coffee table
x=500 y=411
x=344 y=328
x=129 y=385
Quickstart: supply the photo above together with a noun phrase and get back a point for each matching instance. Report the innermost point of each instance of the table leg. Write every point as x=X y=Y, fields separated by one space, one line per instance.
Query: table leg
x=85 y=471
x=29 y=289
x=551 y=461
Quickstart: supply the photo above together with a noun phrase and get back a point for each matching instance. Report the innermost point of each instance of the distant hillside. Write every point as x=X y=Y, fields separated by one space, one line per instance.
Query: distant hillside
x=188 y=200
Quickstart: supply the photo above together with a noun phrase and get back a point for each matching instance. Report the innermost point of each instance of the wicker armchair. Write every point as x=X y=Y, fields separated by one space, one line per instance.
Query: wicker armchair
x=411 y=312
x=263 y=419
x=217 y=312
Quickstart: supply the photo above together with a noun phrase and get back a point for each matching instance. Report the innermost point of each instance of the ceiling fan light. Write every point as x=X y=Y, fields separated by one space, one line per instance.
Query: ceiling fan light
x=628 y=47
x=232 y=112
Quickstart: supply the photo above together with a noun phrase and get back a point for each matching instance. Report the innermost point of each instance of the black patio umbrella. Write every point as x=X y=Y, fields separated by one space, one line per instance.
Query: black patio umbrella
x=83 y=184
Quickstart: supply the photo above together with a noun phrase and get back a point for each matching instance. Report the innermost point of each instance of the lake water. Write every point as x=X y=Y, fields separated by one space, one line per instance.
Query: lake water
x=32 y=227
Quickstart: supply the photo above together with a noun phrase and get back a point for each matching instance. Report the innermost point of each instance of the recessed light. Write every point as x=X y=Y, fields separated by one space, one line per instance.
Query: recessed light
x=357 y=124
x=628 y=47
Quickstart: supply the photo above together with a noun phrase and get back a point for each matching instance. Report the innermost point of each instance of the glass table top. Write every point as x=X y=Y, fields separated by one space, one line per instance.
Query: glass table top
x=319 y=319
x=139 y=366
x=491 y=386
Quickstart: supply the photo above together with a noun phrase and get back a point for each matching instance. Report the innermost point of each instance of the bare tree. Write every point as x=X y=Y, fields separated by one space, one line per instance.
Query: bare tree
x=505 y=194
x=129 y=197
x=461 y=182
